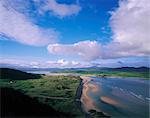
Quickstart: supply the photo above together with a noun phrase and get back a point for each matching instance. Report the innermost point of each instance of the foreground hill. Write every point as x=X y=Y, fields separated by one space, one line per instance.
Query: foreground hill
x=7 y=73
x=48 y=96
x=16 y=104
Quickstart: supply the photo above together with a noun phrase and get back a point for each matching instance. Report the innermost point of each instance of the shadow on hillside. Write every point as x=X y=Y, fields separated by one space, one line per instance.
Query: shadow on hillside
x=13 y=74
x=15 y=104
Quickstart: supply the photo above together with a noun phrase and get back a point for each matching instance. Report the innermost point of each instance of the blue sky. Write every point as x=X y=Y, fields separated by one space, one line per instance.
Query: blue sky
x=74 y=33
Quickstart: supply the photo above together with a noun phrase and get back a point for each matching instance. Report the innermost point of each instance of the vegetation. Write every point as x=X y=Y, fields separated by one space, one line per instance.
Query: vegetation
x=144 y=75
x=58 y=92
x=6 y=73
x=142 y=72
x=15 y=104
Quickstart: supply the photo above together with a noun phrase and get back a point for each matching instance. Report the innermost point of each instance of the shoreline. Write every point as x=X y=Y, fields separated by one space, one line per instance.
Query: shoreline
x=120 y=77
x=87 y=106
x=78 y=95
x=91 y=112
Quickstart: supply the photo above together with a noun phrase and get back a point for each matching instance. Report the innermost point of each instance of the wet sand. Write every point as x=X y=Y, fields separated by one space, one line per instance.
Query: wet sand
x=87 y=102
x=108 y=100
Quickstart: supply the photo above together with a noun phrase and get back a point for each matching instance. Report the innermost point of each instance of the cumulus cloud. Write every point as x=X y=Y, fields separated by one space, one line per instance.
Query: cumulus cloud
x=130 y=24
x=64 y=63
x=17 y=27
x=61 y=63
x=87 y=50
x=60 y=10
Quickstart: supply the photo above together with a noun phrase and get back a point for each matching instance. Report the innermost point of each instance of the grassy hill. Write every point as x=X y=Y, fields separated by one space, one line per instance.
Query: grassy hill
x=48 y=96
x=15 y=104
x=12 y=74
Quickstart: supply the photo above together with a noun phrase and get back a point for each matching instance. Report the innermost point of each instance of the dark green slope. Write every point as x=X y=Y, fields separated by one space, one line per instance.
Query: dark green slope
x=15 y=104
x=6 y=73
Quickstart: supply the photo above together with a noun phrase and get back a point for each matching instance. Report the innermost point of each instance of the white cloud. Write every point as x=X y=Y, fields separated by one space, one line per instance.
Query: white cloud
x=61 y=63
x=64 y=63
x=20 y=29
x=88 y=50
x=41 y=64
x=34 y=64
x=60 y=10
x=130 y=24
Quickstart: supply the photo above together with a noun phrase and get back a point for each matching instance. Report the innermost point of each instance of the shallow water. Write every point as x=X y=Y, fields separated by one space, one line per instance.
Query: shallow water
x=117 y=97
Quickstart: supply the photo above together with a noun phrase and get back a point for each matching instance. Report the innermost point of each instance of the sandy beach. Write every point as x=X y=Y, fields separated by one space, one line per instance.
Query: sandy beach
x=87 y=102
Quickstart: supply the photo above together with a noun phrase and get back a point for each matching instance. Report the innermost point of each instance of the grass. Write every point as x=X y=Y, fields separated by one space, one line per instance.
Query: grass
x=47 y=89
x=143 y=75
x=7 y=73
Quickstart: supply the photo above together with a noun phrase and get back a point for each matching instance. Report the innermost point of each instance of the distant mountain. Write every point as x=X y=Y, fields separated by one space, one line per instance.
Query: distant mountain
x=105 y=69
x=91 y=69
x=7 y=73
x=137 y=69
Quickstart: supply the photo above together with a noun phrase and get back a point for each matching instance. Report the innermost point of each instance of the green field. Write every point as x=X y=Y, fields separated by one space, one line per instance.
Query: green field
x=56 y=91
x=142 y=75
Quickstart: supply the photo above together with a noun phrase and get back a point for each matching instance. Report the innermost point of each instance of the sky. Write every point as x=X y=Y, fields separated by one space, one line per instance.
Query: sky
x=74 y=33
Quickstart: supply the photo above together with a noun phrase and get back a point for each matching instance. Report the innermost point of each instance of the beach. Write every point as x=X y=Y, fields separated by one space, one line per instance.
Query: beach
x=115 y=97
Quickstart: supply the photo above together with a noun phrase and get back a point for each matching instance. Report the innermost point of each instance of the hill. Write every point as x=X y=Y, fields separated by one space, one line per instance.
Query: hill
x=7 y=73
x=15 y=104
x=133 y=69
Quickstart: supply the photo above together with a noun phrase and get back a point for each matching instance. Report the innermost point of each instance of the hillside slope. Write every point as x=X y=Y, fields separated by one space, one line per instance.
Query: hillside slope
x=6 y=73
x=15 y=104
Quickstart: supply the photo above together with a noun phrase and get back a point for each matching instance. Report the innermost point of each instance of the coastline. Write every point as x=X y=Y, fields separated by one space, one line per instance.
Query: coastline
x=88 y=104
x=111 y=76
x=92 y=110
x=78 y=95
